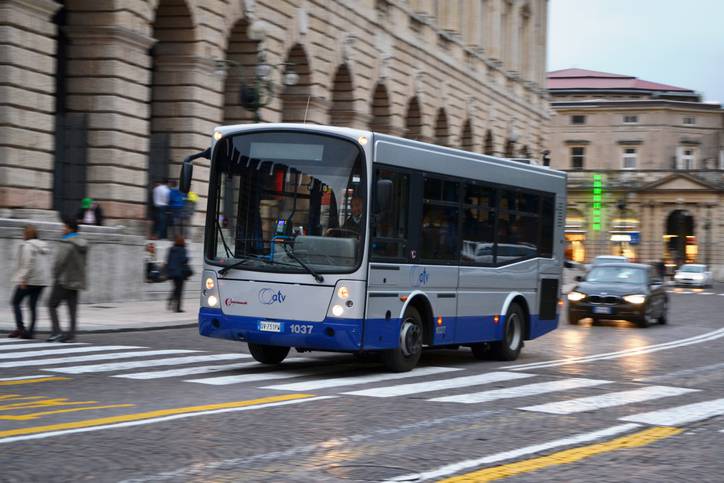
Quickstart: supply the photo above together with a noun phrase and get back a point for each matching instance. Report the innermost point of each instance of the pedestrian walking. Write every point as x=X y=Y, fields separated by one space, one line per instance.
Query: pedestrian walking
x=68 y=279
x=30 y=278
x=176 y=202
x=178 y=270
x=160 y=208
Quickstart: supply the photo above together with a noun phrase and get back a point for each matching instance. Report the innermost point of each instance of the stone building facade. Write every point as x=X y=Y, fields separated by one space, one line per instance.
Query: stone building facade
x=101 y=97
x=646 y=168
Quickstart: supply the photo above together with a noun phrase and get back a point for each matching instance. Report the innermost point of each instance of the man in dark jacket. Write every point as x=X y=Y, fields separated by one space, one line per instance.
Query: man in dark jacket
x=68 y=278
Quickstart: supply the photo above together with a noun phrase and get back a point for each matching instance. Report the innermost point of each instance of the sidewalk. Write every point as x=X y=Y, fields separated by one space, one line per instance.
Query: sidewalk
x=110 y=317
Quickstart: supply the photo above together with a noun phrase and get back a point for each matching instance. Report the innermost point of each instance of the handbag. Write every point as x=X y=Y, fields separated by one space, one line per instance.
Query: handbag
x=186 y=271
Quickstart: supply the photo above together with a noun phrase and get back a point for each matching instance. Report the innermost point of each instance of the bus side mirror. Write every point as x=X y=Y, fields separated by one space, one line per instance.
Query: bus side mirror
x=187 y=170
x=184 y=182
x=384 y=195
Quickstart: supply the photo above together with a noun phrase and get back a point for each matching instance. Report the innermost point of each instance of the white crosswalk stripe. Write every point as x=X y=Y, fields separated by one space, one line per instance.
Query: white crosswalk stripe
x=120 y=366
x=679 y=415
x=189 y=371
x=357 y=380
x=521 y=391
x=94 y=357
x=438 y=385
x=37 y=345
x=608 y=400
x=71 y=350
x=21 y=378
x=264 y=376
x=14 y=341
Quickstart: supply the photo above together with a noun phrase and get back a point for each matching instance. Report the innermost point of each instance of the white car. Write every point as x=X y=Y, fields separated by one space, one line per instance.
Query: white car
x=693 y=275
x=605 y=259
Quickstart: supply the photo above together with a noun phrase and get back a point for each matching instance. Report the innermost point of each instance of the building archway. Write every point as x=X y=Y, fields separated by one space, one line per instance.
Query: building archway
x=680 y=242
x=466 y=136
x=242 y=54
x=175 y=37
x=575 y=235
x=341 y=112
x=509 y=148
x=442 y=134
x=489 y=147
x=381 y=119
x=296 y=99
x=413 y=120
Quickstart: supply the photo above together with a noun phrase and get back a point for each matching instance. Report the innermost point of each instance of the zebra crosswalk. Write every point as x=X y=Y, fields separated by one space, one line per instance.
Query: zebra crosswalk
x=527 y=392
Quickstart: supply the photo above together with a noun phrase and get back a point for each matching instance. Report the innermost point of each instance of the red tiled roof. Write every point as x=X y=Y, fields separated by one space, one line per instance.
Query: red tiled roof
x=591 y=79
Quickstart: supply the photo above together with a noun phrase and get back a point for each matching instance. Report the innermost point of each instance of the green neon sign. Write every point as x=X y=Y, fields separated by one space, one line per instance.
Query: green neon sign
x=597 y=198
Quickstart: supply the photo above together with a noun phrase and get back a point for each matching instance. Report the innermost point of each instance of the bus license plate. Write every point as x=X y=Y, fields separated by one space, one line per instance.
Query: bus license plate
x=601 y=310
x=266 y=326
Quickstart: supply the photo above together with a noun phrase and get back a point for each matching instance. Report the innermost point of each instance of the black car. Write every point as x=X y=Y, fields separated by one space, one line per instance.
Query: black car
x=629 y=291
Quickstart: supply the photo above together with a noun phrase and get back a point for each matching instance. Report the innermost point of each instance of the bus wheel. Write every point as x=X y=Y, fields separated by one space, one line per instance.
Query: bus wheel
x=509 y=348
x=268 y=354
x=404 y=358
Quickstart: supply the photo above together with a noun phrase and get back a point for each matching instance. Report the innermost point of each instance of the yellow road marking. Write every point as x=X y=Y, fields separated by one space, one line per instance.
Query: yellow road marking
x=28 y=417
x=61 y=401
x=33 y=381
x=18 y=397
x=150 y=414
x=572 y=455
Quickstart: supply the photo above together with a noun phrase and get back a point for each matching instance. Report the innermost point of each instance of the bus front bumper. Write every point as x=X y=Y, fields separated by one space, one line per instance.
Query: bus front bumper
x=330 y=334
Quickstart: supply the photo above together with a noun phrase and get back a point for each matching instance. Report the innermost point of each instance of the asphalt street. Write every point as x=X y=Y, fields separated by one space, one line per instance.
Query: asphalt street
x=604 y=402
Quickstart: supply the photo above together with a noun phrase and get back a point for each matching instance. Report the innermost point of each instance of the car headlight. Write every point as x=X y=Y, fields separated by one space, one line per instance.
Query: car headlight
x=698 y=276
x=678 y=276
x=635 y=299
x=576 y=296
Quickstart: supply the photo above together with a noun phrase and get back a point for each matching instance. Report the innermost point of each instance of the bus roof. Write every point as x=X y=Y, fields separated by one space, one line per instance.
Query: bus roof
x=385 y=143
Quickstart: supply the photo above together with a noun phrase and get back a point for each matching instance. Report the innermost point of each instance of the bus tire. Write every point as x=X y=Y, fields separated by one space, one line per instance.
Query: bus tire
x=509 y=348
x=268 y=354
x=404 y=358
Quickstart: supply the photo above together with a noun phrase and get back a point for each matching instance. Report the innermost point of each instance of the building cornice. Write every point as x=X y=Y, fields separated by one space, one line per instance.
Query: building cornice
x=603 y=103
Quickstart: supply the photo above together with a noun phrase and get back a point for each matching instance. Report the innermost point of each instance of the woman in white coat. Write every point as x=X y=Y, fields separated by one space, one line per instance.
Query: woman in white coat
x=31 y=276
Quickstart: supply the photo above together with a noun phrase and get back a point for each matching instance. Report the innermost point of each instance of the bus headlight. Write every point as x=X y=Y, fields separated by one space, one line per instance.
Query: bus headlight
x=576 y=296
x=343 y=292
x=209 y=290
x=337 y=310
x=635 y=299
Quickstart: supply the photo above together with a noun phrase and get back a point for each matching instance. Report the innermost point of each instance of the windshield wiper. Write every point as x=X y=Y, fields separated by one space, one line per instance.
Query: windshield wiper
x=223 y=240
x=235 y=265
x=309 y=269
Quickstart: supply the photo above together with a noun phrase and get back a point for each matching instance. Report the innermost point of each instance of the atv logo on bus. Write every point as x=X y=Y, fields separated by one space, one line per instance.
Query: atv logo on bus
x=419 y=277
x=268 y=296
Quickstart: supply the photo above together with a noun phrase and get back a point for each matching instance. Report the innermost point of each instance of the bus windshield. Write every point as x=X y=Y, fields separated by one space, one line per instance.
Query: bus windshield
x=287 y=201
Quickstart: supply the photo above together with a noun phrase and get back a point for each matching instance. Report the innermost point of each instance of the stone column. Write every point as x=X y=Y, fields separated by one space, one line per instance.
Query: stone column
x=188 y=101
x=27 y=106
x=107 y=80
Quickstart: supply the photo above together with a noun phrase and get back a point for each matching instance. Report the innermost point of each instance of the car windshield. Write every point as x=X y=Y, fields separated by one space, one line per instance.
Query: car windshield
x=617 y=275
x=281 y=200
x=692 y=268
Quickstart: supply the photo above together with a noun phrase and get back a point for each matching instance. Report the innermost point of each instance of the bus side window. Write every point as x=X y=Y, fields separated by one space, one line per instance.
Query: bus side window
x=439 y=231
x=478 y=225
x=389 y=229
x=547 y=226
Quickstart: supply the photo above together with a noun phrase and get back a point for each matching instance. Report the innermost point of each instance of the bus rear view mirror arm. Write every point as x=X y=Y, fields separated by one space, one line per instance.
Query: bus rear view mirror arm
x=187 y=169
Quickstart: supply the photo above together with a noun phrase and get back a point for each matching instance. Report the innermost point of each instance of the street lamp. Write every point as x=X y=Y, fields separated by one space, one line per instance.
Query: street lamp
x=258 y=93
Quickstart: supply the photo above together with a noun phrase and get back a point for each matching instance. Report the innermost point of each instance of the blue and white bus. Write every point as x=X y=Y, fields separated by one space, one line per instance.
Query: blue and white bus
x=336 y=239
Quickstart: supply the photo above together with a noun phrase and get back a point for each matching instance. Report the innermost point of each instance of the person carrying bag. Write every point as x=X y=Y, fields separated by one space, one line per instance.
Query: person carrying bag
x=31 y=277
